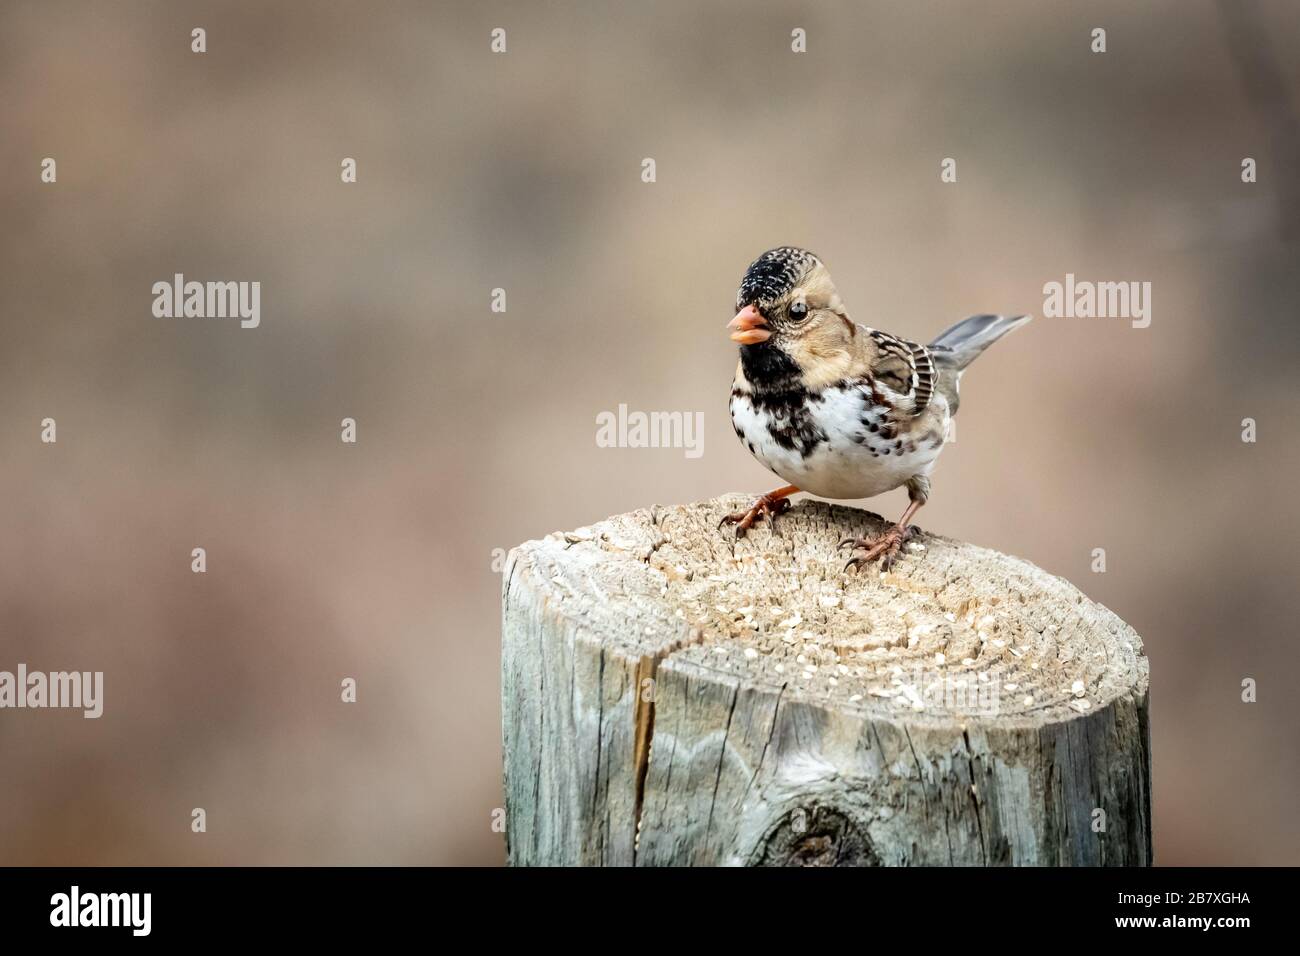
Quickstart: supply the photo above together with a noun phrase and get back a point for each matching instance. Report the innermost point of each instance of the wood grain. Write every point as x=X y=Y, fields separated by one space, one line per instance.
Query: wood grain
x=673 y=696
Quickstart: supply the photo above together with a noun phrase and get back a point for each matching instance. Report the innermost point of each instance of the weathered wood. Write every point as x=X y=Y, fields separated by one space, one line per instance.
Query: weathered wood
x=672 y=696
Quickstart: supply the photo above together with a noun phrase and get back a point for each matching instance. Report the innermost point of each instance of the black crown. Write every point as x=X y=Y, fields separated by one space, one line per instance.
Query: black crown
x=773 y=274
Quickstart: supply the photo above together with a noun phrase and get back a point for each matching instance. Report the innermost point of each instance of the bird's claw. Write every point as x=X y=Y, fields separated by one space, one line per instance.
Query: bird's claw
x=886 y=547
x=765 y=507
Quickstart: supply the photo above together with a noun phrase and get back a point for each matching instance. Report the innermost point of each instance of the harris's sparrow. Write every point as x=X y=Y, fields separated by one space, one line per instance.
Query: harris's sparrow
x=837 y=409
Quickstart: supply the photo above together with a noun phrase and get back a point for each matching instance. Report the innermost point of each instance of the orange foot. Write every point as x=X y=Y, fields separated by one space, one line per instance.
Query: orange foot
x=767 y=506
x=886 y=547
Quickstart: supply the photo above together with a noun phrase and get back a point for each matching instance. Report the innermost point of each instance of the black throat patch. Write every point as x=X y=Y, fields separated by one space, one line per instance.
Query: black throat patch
x=768 y=368
x=777 y=393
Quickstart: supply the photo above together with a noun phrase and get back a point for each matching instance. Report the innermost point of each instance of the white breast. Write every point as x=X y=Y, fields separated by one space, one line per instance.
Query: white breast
x=827 y=445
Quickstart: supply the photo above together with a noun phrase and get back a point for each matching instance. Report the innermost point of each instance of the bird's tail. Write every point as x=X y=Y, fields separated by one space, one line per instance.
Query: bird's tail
x=960 y=345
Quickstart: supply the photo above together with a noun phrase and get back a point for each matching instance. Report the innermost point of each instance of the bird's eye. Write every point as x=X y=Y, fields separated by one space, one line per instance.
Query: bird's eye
x=798 y=311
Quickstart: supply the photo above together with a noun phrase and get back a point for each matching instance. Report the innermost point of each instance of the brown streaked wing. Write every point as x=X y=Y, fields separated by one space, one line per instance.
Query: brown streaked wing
x=922 y=374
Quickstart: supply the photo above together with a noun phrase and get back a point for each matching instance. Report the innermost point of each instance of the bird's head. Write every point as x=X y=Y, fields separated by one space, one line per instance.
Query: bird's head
x=787 y=308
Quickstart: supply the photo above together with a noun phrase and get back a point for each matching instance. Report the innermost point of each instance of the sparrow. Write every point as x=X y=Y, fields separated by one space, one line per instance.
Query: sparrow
x=837 y=409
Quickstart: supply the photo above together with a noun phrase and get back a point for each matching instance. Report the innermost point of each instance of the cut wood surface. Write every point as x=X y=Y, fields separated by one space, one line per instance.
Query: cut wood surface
x=674 y=696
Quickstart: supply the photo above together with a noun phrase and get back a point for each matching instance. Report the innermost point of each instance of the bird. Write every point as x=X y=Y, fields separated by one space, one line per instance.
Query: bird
x=837 y=409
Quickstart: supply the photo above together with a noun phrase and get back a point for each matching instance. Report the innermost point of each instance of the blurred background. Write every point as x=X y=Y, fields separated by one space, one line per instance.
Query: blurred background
x=476 y=430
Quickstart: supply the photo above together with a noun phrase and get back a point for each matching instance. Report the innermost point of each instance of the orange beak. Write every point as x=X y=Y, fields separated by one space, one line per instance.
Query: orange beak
x=749 y=328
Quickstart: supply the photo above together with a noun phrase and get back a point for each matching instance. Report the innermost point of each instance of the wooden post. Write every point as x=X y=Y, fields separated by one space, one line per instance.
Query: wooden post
x=673 y=696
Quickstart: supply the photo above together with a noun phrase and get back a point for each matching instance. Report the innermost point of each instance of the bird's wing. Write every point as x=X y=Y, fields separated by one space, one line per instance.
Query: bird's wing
x=904 y=367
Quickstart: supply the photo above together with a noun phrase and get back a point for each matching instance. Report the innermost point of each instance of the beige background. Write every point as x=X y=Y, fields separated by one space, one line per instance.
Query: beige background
x=477 y=430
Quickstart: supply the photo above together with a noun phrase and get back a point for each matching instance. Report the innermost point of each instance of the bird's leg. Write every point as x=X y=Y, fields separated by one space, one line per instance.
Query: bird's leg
x=887 y=546
x=769 y=505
